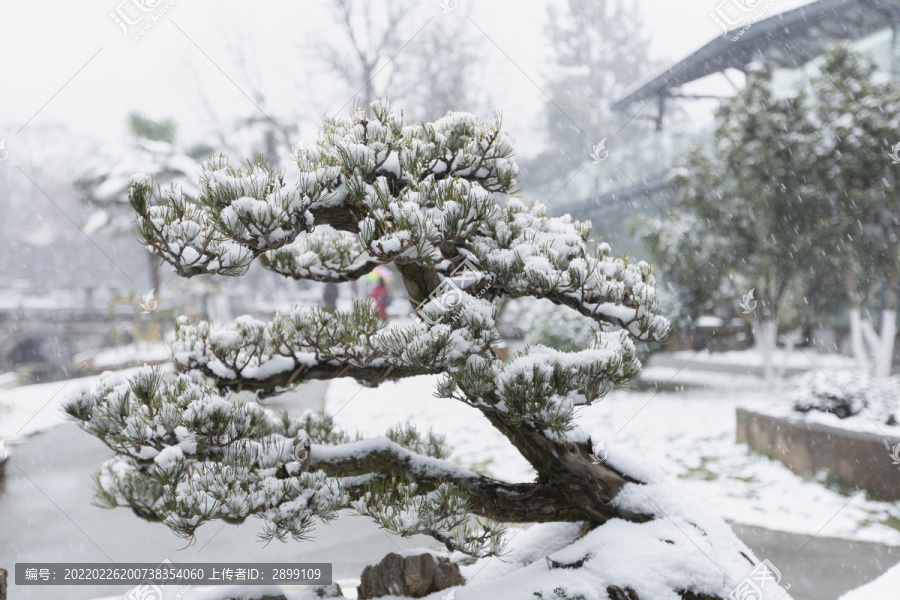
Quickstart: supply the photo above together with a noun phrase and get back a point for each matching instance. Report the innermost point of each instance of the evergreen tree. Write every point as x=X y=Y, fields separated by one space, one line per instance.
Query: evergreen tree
x=429 y=199
x=799 y=202
x=857 y=109
x=745 y=216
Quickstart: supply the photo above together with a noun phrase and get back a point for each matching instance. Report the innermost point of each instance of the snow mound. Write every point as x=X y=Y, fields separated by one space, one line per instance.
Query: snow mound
x=847 y=394
x=884 y=588
x=244 y=592
x=684 y=548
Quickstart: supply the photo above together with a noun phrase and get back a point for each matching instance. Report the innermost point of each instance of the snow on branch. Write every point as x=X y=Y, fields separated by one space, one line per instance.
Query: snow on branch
x=530 y=253
x=543 y=385
x=406 y=188
x=323 y=255
x=310 y=342
x=179 y=232
x=410 y=228
x=185 y=455
x=442 y=513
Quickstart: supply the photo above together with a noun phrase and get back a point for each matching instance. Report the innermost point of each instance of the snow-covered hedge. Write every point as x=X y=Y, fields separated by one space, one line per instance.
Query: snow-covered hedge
x=847 y=393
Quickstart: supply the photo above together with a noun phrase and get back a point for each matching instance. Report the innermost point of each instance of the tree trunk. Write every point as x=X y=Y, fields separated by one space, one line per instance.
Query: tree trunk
x=767 y=333
x=856 y=339
x=885 y=355
x=788 y=351
x=857 y=343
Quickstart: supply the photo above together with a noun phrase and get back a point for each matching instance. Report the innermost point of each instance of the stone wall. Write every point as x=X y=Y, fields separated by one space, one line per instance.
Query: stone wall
x=857 y=459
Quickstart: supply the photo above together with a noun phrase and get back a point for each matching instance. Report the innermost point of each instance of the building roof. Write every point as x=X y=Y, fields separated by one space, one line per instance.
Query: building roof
x=787 y=39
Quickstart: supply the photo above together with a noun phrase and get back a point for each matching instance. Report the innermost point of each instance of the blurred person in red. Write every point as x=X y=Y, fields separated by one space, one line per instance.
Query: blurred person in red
x=380 y=295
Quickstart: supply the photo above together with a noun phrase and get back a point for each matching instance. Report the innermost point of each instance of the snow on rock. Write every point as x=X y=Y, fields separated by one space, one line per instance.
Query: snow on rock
x=685 y=549
x=243 y=592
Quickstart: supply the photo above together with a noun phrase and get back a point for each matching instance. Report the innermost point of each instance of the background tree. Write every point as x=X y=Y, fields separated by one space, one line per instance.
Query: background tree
x=600 y=47
x=153 y=150
x=857 y=109
x=800 y=201
x=375 y=190
x=394 y=49
x=745 y=216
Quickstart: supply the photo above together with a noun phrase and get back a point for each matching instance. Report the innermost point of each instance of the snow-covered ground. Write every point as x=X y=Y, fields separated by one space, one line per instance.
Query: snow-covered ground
x=32 y=408
x=690 y=435
x=799 y=359
x=886 y=586
x=675 y=377
x=687 y=434
x=28 y=409
x=124 y=356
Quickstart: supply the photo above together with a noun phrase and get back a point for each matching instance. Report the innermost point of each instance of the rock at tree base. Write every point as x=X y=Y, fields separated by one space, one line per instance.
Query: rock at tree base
x=413 y=576
x=329 y=591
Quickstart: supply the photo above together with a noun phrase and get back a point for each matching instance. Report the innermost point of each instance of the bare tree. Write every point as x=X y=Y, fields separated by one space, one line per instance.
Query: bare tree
x=395 y=49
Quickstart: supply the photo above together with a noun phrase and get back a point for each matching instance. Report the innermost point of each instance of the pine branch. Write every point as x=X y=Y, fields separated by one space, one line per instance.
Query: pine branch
x=361 y=464
x=308 y=343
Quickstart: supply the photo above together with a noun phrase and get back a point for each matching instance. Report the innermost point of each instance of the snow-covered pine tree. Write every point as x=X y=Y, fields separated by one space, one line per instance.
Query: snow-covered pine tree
x=426 y=197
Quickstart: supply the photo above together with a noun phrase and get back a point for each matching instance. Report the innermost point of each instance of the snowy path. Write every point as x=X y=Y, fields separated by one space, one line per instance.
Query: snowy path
x=826 y=568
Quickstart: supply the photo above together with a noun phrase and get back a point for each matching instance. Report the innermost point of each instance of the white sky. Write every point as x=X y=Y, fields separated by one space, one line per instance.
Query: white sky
x=44 y=44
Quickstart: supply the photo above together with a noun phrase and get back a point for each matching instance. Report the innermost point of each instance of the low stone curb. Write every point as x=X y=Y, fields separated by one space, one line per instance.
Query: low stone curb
x=853 y=458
